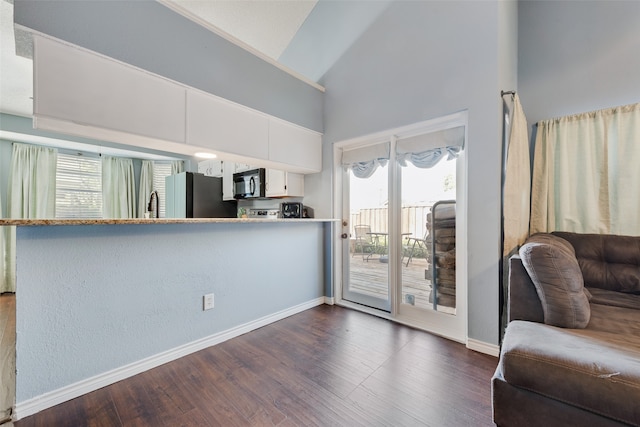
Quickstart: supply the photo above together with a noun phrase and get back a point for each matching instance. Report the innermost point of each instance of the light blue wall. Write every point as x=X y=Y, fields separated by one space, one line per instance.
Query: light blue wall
x=422 y=60
x=95 y=298
x=577 y=56
x=148 y=35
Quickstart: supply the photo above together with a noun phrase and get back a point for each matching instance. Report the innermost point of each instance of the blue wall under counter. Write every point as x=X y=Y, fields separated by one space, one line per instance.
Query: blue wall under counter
x=131 y=292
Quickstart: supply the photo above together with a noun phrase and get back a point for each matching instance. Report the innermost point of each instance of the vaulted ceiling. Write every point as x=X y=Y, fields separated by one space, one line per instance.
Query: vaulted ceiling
x=305 y=36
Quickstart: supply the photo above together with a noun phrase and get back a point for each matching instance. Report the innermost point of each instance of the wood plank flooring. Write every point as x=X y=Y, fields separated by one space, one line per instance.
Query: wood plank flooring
x=328 y=366
x=7 y=353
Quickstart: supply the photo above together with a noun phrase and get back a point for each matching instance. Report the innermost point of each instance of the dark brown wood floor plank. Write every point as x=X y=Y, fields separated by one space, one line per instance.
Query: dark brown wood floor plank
x=132 y=402
x=233 y=380
x=164 y=387
x=327 y=366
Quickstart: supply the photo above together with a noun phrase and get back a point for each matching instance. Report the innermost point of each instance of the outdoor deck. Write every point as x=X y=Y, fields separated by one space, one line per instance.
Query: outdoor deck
x=371 y=278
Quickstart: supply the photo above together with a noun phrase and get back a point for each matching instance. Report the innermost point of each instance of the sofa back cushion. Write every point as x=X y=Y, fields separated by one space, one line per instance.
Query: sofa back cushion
x=555 y=273
x=607 y=261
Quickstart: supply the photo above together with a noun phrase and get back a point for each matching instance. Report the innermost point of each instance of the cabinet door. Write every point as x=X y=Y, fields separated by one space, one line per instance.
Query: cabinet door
x=296 y=146
x=225 y=127
x=276 y=183
x=77 y=86
x=284 y=184
x=228 y=169
x=210 y=168
x=241 y=167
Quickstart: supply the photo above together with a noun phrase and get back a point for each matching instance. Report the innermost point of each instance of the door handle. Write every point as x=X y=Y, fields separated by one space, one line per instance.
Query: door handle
x=344 y=235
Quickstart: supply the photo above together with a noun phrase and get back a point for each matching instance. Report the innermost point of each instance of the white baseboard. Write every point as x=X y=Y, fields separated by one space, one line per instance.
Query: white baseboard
x=55 y=397
x=483 y=347
x=329 y=300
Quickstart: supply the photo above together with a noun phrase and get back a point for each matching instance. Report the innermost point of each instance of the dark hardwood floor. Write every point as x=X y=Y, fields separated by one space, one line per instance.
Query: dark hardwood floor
x=325 y=366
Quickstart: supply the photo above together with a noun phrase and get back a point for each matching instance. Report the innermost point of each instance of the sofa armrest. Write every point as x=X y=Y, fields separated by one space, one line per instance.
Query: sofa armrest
x=523 y=302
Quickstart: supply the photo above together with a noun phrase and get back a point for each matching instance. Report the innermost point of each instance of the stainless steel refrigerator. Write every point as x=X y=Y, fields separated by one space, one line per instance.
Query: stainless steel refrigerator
x=194 y=195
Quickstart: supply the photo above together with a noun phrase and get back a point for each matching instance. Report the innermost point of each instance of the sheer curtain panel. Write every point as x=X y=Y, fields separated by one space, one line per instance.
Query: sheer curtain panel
x=118 y=190
x=517 y=183
x=146 y=186
x=31 y=194
x=586 y=177
x=177 y=166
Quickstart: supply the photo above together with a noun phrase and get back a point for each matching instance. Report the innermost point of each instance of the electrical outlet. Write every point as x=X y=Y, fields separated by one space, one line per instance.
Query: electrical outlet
x=207 y=302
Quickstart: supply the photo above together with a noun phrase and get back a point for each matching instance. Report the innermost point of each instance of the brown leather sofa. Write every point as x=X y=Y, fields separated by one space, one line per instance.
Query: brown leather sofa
x=587 y=374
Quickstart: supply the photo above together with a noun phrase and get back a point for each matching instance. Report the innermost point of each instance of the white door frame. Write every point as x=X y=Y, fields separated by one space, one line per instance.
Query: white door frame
x=452 y=327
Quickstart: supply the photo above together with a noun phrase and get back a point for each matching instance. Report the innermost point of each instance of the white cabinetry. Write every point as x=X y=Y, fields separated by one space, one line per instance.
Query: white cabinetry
x=83 y=93
x=293 y=145
x=211 y=168
x=225 y=127
x=284 y=184
x=241 y=167
x=228 y=169
x=90 y=92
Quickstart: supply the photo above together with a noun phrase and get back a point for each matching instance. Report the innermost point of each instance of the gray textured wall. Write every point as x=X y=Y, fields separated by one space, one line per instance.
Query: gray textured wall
x=95 y=298
x=422 y=60
x=577 y=56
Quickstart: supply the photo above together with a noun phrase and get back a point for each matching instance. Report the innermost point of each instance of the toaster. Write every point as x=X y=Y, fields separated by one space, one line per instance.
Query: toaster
x=295 y=210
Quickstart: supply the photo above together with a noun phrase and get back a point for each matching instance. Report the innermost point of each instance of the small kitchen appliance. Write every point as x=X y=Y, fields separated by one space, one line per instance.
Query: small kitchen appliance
x=249 y=184
x=295 y=210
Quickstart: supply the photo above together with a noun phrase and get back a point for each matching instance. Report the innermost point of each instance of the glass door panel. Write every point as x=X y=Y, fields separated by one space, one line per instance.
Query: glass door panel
x=428 y=278
x=366 y=262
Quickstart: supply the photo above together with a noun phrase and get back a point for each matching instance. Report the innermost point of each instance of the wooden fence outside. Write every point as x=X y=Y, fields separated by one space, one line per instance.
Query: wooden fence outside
x=414 y=219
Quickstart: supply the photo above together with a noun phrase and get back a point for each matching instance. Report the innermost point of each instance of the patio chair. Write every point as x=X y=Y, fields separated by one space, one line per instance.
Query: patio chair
x=364 y=240
x=412 y=242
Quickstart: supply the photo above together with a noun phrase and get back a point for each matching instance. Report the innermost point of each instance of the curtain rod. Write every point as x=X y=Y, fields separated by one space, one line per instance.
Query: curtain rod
x=508 y=92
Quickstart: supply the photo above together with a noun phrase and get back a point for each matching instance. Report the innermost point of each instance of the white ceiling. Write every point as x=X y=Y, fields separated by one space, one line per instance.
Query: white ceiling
x=266 y=25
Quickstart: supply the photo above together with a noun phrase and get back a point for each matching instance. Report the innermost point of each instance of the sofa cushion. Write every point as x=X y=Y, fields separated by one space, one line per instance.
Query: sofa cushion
x=613 y=298
x=555 y=273
x=575 y=366
x=607 y=261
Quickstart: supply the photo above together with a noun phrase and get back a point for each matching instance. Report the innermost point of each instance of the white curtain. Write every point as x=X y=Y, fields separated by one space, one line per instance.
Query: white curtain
x=146 y=186
x=364 y=161
x=586 y=176
x=177 y=166
x=517 y=182
x=426 y=150
x=31 y=194
x=118 y=190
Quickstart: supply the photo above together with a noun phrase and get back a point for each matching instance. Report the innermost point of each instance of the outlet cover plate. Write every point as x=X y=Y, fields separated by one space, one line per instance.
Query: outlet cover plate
x=208 y=302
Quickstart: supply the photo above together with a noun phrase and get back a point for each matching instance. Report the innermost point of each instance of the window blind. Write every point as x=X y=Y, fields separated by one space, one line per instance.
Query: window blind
x=160 y=172
x=78 y=186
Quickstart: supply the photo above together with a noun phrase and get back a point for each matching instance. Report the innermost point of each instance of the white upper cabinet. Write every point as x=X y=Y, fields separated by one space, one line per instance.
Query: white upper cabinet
x=83 y=93
x=284 y=184
x=77 y=86
x=211 y=168
x=292 y=145
x=228 y=169
x=226 y=127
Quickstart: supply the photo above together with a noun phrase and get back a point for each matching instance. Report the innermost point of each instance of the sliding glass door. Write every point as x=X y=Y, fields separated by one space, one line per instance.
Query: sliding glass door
x=403 y=225
x=366 y=200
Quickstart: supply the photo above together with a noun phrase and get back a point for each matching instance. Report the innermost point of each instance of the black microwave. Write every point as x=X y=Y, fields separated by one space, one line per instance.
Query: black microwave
x=249 y=184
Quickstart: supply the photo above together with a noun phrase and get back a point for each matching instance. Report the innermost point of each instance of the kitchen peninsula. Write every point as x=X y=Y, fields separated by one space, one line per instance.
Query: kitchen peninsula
x=101 y=300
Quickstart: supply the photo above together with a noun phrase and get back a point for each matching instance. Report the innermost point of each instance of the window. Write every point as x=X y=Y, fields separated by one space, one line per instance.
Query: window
x=78 y=186
x=160 y=172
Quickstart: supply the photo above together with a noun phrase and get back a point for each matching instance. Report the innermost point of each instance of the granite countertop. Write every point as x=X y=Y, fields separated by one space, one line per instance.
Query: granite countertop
x=39 y=222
